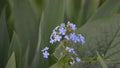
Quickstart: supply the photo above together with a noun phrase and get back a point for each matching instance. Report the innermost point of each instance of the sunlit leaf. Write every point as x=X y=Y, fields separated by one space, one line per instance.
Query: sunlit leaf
x=15 y=46
x=11 y=62
x=101 y=61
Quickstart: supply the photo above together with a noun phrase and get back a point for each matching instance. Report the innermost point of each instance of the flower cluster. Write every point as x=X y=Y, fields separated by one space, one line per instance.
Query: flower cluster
x=66 y=32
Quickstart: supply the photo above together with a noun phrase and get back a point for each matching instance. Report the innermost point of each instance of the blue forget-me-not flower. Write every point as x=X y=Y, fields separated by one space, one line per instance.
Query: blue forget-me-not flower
x=78 y=59
x=45 y=53
x=82 y=38
x=72 y=62
x=69 y=49
x=58 y=38
x=66 y=32
x=74 y=37
x=62 y=31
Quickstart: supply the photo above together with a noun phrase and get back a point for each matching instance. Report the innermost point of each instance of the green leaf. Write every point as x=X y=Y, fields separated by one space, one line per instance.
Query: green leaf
x=101 y=61
x=60 y=65
x=58 y=53
x=2 y=5
x=84 y=64
x=92 y=6
x=38 y=6
x=72 y=9
x=103 y=36
x=79 y=11
x=15 y=46
x=56 y=65
x=52 y=16
x=109 y=8
x=4 y=40
x=26 y=27
x=87 y=10
x=11 y=62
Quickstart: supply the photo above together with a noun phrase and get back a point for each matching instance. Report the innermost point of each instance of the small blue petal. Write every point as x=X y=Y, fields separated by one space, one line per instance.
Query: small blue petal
x=54 y=33
x=72 y=62
x=58 y=38
x=52 y=41
x=45 y=54
x=69 y=49
x=62 y=30
x=46 y=48
x=73 y=26
x=78 y=59
x=67 y=37
x=82 y=39
x=74 y=37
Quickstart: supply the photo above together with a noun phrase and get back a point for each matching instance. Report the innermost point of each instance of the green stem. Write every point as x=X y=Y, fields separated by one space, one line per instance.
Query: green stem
x=65 y=44
x=64 y=65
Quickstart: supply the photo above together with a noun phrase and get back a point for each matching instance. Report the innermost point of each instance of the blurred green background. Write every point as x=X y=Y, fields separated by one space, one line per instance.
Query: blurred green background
x=25 y=27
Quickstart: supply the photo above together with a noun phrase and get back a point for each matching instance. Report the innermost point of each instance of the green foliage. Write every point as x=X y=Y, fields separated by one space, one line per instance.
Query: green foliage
x=26 y=25
x=4 y=40
x=11 y=62
x=101 y=61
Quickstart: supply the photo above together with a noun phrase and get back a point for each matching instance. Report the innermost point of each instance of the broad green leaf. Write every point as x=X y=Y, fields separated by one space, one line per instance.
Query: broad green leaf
x=87 y=10
x=11 y=62
x=4 y=40
x=26 y=27
x=103 y=36
x=101 y=61
x=109 y=8
x=84 y=64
